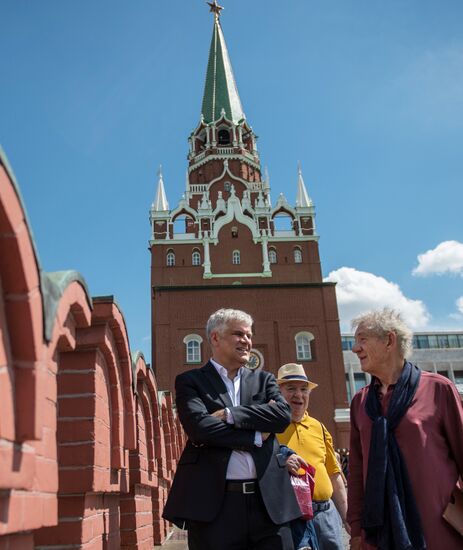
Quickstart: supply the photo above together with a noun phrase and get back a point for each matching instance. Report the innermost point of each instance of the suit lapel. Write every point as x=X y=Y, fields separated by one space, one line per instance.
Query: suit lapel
x=217 y=383
x=246 y=387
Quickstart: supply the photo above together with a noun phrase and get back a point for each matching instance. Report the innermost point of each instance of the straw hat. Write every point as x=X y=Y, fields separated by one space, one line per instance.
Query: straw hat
x=292 y=372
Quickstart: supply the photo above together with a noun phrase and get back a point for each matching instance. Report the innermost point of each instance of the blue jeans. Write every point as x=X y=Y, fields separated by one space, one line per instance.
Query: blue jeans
x=328 y=525
x=304 y=534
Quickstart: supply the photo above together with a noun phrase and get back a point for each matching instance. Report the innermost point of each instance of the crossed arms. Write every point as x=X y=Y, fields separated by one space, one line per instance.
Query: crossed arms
x=205 y=428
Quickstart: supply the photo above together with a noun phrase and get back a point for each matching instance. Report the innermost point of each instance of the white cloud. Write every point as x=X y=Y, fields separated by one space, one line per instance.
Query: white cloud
x=459 y=315
x=360 y=291
x=447 y=257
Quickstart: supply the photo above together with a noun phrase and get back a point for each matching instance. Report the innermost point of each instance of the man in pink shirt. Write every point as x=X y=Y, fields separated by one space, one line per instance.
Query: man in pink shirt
x=406 y=449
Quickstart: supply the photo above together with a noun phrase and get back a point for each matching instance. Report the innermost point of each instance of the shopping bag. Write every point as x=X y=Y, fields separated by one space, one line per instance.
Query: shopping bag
x=303 y=486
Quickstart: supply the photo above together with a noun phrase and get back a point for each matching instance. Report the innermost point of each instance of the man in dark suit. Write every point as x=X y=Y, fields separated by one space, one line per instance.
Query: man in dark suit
x=231 y=489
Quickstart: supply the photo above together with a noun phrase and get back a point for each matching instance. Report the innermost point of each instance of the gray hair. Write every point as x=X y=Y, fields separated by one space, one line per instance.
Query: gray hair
x=222 y=317
x=381 y=322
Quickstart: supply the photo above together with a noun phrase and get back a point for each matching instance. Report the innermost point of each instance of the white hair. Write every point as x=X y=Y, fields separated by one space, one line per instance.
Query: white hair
x=222 y=317
x=381 y=322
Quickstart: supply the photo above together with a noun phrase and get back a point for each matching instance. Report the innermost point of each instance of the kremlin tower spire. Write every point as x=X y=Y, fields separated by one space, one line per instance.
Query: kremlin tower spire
x=223 y=145
x=160 y=203
x=220 y=91
x=302 y=199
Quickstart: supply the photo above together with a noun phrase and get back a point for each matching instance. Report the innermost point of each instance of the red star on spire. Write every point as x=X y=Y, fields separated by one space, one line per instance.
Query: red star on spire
x=215 y=8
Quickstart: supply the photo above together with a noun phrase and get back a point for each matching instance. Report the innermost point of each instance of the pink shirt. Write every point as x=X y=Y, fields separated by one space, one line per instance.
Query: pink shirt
x=430 y=437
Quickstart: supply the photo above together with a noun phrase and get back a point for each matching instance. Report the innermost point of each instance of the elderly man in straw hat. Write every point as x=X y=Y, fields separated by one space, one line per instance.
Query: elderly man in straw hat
x=310 y=442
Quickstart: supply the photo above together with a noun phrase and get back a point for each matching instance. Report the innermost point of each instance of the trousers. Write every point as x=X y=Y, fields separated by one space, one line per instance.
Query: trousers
x=328 y=526
x=241 y=524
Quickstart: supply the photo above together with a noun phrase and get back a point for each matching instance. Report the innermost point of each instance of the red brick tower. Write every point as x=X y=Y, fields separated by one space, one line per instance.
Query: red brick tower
x=226 y=245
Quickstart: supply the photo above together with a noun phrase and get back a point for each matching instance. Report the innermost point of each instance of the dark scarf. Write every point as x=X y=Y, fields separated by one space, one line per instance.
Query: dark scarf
x=390 y=518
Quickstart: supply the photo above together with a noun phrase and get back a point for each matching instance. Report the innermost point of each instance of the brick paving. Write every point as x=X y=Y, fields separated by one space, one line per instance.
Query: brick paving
x=177 y=541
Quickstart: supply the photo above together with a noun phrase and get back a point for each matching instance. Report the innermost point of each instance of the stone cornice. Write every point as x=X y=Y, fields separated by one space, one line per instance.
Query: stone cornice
x=235 y=275
x=215 y=240
x=260 y=286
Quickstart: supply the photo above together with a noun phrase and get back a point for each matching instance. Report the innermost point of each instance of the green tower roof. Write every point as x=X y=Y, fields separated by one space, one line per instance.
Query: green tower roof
x=220 y=91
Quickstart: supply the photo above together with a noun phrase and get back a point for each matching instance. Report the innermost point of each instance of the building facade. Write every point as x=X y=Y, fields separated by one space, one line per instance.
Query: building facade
x=226 y=245
x=440 y=352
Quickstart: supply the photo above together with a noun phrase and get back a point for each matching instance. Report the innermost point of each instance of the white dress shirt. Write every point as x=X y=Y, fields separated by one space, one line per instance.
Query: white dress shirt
x=241 y=464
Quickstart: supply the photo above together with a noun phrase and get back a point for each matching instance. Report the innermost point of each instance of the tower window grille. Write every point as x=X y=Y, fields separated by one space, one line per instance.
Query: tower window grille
x=297 y=256
x=196 y=258
x=236 y=257
x=193 y=352
x=193 y=348
x=304 y=346
x=170 y=258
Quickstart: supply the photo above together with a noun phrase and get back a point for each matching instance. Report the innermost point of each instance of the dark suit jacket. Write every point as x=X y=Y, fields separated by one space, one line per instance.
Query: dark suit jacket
x=198 y=488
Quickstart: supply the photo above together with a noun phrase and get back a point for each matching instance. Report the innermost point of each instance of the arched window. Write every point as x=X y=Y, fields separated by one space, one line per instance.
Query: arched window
x=304 y=346
x=272 y=256
x=196 y=258
x=236 y=257
x=224 y=137
x=193 y=348
x=297 y=256
x=170 y=258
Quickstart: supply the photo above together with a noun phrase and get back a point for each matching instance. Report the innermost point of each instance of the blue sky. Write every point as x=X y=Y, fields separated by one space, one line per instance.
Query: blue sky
x=367 y=95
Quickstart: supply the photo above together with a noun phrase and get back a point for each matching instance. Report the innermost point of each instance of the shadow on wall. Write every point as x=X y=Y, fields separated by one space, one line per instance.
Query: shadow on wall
x=88 y=444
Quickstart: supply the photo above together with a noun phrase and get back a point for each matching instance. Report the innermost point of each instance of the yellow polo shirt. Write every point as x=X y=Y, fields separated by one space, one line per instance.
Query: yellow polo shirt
x=307 y=440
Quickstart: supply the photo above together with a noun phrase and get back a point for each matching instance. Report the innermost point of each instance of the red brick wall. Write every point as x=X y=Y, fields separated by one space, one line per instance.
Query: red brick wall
x=87 y=446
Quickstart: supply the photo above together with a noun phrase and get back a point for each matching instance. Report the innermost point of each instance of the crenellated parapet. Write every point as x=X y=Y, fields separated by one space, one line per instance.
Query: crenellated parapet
x=85 y=446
